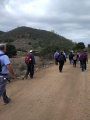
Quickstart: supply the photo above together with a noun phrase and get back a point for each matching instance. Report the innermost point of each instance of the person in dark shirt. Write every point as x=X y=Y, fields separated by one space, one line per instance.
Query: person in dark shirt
x=83 y=60
x=71 y=57
x=61 y=60
x=30 y=67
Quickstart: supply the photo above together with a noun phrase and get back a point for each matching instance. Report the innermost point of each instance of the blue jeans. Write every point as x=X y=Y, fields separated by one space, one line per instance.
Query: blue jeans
x=3 y=83
x=71 y=61
x=83 y=65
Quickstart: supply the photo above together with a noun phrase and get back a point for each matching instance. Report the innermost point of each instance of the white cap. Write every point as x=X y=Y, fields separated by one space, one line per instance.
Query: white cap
x=30 y=51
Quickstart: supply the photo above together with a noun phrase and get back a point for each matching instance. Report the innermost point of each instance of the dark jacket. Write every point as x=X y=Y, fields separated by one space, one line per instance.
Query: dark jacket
x=32 y=60
x=61 y=57
x=71 y=56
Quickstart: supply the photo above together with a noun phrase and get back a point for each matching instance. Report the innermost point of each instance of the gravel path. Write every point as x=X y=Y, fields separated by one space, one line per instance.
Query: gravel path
x=50 y=95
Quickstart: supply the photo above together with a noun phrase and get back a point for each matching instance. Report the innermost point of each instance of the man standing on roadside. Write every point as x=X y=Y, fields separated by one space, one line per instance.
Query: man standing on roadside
x=30 y=62
x=5 y=68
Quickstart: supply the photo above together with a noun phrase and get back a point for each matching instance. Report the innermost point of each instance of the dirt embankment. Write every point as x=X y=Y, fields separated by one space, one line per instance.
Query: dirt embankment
x=19 y=65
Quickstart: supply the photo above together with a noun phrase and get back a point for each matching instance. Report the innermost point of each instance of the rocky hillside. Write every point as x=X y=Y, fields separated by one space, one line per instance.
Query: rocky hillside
x=29 y=38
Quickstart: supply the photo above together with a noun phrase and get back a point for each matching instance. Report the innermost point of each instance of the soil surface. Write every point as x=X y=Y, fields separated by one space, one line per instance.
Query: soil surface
x=50 y=95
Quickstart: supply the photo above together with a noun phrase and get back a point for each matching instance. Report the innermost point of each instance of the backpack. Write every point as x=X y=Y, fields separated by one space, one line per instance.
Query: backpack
x=70 y=56
x=60 y=58
x=1 y=63
x=27 y=59
x=83 y=57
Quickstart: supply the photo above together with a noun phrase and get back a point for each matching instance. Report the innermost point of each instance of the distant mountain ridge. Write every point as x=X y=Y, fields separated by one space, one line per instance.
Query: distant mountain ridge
x=27 y=38
x=1 y=32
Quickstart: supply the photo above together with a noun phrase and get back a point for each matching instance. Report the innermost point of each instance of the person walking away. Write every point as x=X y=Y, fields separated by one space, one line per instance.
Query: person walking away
x=74 y=60
x=70 y=57
x=5 y=68
x=61 y=60
x=64 y=56
x=77 y=53
x=83 y=59
x=30 y=62
x=86 y=55
x=56 y=57
x=80 y=59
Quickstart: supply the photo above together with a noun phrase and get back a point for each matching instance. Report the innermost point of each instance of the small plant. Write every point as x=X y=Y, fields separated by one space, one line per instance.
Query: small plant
x=6 y=40
x=11 y=50
x=22 y=67
x=19 y=49
x=30 y=43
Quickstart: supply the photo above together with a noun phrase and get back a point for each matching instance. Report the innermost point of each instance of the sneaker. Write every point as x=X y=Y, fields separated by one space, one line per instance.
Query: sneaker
x=9 y=100
x=31 y=77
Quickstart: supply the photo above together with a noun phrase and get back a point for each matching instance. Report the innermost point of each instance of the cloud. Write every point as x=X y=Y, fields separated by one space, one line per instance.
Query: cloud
x=68 y=18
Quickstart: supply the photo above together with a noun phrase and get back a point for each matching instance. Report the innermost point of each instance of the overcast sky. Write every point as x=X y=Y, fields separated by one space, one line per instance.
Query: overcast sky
x=69 y=18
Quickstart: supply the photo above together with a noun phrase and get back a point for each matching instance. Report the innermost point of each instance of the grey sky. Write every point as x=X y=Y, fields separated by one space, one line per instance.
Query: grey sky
x=69 y=18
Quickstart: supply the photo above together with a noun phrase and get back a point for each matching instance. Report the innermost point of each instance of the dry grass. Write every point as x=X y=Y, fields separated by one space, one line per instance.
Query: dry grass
x=19 y=65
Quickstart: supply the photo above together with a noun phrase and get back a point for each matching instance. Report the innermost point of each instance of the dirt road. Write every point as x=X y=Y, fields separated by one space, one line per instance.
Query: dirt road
x=51 y=95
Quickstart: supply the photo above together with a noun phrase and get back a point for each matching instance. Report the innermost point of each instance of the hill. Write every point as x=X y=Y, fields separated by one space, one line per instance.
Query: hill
x=29 y=38
x=1 y=32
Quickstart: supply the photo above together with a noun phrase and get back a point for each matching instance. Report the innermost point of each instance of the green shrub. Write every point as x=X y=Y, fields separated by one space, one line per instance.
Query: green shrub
x=30 y=43
x=6 y=40
x=22 y=67
x=11 y=50
x=49 y=50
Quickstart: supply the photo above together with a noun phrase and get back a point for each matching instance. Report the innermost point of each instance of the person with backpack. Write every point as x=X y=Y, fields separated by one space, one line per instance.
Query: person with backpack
x=77 y=53
x=83 y=59
x=61 y=59
x=64 y=56
x=56 y=57
x=5 y=68
x=85 y=51
x=71 y=57
x=30 y=62
x=80 y=59
x=74 y=60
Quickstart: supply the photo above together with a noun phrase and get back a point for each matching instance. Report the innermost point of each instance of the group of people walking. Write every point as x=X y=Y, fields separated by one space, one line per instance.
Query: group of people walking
x=74 y=58
x=82 y=57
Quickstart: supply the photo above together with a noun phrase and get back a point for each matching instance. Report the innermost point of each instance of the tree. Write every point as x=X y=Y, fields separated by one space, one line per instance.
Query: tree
x=80 y=45
x=11 y=50
x=89 y=46
x=48 y=51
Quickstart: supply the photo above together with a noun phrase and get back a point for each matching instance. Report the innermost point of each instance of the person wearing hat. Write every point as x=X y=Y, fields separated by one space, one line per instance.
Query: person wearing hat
x=30 y=65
